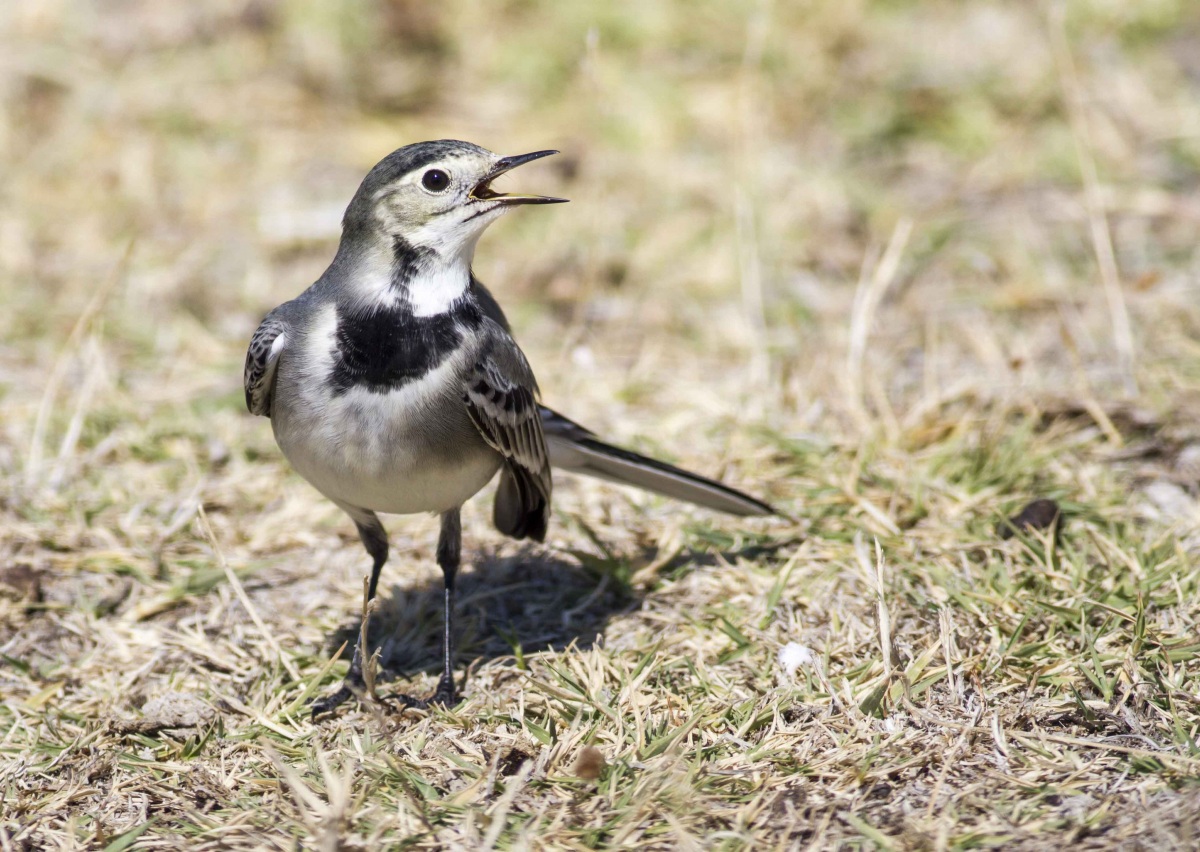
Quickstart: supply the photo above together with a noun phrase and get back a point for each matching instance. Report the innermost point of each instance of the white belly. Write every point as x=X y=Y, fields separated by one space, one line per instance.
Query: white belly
x=392 y=481
x=412 y=449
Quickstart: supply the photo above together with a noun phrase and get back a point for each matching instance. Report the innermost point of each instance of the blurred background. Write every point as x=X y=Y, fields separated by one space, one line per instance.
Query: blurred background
x=813 y=217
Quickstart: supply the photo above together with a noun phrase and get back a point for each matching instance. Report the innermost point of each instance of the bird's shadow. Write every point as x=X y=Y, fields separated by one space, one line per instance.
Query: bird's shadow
x=506 y=604
x=510 y=604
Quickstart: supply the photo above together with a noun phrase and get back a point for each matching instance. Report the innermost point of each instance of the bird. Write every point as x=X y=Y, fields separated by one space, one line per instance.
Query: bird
x=394 y=384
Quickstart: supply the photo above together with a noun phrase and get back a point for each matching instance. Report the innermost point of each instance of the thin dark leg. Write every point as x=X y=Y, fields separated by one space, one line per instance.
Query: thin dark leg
x=374 y=539
x=449 y=556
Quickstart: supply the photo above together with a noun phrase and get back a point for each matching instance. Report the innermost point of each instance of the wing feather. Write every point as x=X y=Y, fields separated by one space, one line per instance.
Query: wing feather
x=501 y=398
x=262 y=357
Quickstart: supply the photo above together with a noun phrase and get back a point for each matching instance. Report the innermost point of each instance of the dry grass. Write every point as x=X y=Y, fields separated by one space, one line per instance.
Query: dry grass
x=899 y=267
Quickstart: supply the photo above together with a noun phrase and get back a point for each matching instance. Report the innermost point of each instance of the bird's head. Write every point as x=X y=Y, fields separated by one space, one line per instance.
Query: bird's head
x=436 y=196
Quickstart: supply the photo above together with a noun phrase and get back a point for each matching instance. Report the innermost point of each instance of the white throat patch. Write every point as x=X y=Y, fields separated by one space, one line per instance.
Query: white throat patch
x=438 y=286
x=443 y=280
x=442 y=271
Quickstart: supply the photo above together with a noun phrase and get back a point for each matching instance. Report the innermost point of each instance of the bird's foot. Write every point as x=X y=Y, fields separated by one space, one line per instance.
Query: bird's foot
x=331 y=702
x=445 y=695
x=360 y=679
x=354 y=685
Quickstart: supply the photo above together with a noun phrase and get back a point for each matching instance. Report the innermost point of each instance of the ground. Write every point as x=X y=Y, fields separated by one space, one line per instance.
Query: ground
x=900 y=268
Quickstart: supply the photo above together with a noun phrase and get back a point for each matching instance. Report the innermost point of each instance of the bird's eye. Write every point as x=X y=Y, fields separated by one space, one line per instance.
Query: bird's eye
x=435 y=180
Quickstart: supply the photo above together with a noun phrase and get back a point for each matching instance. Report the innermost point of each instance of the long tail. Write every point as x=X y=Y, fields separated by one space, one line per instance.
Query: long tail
x=577 y=450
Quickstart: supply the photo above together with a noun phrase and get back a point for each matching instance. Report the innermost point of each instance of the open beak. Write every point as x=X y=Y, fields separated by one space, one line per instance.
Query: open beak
x=483 y=190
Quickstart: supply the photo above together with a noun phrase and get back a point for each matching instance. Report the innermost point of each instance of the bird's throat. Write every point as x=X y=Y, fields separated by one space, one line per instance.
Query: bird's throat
x=429 y=281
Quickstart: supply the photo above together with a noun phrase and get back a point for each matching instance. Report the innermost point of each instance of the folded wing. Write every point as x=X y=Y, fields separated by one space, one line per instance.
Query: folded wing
x=262 y=357
x=500 y=395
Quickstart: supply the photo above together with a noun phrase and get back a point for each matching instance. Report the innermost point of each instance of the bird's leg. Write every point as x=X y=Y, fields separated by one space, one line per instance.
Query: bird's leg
x=374 y=539
x=449 y=555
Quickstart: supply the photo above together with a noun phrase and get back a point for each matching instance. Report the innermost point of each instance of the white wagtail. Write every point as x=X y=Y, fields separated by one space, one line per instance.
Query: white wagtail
x=394 y=385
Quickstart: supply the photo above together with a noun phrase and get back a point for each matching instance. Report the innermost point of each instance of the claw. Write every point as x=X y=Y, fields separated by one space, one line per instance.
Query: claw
x=353 y=685
x=326 y=705
x=445 y=695
x=359 y=680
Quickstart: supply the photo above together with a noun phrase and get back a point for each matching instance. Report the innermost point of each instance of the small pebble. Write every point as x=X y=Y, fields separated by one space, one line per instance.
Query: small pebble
x=1187 y=464
x=589 y=764
x=22 y=582
x=1038 y=515
x=218 y=452
x=171 y=710
x=1167 y=501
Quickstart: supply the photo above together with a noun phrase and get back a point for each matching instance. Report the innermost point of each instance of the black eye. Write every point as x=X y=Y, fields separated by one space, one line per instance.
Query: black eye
x=435 y=180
